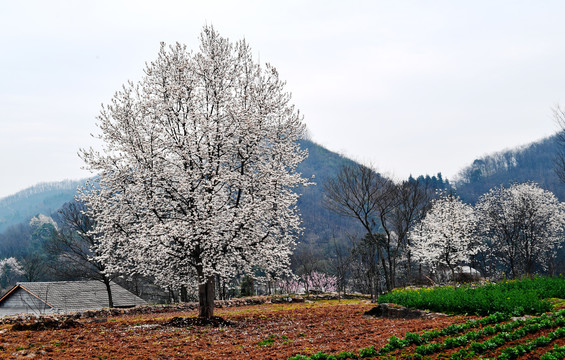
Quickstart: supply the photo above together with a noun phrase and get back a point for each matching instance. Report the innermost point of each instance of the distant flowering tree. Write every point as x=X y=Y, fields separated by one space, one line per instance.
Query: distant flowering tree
x=40 y=220
x=524 y=224
x=10 y=269
x=314 y=281
x=10 y=265
x=198 y=169
x=446 y=235
x=321 y=282
x=289 y=285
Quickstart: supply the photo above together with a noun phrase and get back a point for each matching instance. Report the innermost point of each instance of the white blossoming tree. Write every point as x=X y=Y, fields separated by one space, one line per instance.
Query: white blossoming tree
x=197 y=170
x=446 y=235
x=524 y=223
x=10 y=269
x=40 y=220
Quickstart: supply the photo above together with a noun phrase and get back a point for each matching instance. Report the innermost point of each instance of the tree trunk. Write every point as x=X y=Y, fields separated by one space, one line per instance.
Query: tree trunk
x=171 y=295
x=109 y=290
x=183 y=294
x=371 y=285
x=377 y=282
x=386 y=273
x=452 y=269
x=410 y=278
x=206 y=298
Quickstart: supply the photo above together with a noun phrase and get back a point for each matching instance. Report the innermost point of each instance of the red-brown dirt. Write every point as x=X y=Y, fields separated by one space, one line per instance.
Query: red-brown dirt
x=269 y=331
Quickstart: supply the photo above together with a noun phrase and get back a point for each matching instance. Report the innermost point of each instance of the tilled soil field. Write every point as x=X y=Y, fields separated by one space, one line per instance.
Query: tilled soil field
x=268 y=331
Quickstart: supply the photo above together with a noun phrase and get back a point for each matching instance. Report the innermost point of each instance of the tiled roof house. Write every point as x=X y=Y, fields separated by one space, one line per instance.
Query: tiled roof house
x=64 y=296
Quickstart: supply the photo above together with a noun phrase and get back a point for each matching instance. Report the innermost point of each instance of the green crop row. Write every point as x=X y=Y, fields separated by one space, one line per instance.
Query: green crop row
x=464 y=339
x=513 y=352
x=557 y=353
x=543 y=322
x=518 y=297
x=428 y=335
x=504 y=331
x=533 y=324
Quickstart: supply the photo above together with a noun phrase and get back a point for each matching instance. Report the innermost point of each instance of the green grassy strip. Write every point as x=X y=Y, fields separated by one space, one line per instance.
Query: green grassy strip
x=518 y=297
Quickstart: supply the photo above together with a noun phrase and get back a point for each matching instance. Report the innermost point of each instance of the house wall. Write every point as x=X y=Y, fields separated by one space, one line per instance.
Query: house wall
x=20 y=301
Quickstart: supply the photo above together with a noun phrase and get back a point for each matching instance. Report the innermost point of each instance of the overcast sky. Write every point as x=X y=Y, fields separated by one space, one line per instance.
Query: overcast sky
x=411 y=87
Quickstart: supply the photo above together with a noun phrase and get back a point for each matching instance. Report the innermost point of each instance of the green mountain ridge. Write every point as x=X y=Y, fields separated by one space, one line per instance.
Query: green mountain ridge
x=319 y=223
x=532 y=162
x=43 y=198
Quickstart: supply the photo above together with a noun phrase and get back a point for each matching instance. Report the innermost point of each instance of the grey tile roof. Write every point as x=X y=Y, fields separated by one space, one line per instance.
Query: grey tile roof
x=66 y=296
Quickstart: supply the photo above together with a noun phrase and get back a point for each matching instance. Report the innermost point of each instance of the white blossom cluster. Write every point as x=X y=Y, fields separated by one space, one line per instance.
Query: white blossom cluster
x=11 y=266
x=519 y=228
x=446 y=235
x=40 y=220
x=198 y=168
x=524 y=224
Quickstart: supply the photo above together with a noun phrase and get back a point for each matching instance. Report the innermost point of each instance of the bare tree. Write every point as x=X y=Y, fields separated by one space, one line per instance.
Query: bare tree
x=365 y=263
x=307 y=259
x=356 y=192
x=413 y=201
x=386 y=210
x=74 y=247
x=340 y=261
x=34 y=266
x=360 y=193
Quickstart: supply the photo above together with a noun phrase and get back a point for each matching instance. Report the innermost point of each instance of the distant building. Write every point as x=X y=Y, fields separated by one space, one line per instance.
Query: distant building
x=63 y=297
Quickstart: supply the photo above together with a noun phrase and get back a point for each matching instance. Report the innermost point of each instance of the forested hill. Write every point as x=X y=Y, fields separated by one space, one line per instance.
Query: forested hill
x=43 y=198
x=533 y=162
x=319 y=223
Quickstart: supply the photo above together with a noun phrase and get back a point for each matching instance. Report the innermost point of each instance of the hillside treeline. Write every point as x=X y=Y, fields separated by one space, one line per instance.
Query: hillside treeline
x=533 y=162
x=368 y=256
